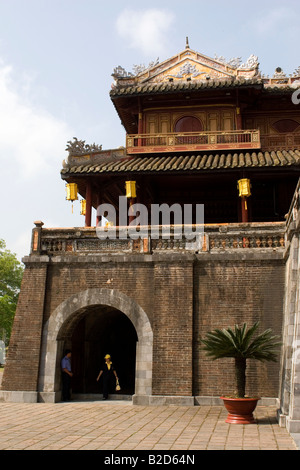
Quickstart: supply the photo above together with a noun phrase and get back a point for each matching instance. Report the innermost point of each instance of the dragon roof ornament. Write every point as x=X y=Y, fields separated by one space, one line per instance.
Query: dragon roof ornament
x=191 y=65
x=79 y=147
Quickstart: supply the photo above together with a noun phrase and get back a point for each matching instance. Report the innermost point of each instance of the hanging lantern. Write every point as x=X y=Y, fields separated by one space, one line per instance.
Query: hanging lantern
x=244 y=187
x=130 y=189
x=82 y=207
x=71 y=193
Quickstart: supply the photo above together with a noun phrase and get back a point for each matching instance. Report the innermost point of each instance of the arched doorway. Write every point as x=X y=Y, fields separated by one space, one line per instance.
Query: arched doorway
x=188 y=124
x=63 y=322
x=98 y=331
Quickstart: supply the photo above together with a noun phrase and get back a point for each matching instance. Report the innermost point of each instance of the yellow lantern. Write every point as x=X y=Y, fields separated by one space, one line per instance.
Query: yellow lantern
x=71 y=193
x=83 y=207
x=244 y=187
x=130 y=189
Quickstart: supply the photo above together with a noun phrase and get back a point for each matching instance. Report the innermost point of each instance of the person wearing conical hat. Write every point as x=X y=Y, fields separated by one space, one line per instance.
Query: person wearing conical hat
x=107 y=372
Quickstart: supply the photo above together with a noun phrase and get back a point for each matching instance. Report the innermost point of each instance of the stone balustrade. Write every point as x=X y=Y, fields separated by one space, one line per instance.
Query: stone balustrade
x=214 y=238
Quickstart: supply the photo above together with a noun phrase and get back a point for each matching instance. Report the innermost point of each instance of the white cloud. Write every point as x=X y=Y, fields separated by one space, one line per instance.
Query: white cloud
x=147 y=30
x=31 y=139
x=32 y=147
x=272 y=20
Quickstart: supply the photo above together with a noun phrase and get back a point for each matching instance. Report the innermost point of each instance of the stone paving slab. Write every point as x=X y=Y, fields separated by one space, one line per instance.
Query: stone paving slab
x=121 y=426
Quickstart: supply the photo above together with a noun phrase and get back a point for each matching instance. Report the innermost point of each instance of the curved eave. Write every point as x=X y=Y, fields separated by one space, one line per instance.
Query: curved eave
x=182 y=86
x=158 y=164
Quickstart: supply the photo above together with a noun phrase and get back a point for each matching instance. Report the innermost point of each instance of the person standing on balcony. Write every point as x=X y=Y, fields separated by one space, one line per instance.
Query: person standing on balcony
x=107 y=372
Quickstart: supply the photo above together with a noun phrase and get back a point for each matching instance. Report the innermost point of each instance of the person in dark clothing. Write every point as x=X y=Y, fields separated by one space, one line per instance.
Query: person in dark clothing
x=107 y=372
x=66 y=375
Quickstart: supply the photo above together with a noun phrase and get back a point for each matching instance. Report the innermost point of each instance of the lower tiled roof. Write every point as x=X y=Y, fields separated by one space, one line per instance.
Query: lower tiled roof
x=193 y=163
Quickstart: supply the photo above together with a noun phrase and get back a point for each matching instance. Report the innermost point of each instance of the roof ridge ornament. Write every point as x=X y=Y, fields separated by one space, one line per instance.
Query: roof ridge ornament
x=79 y=147
x=236 y=62
x=187 y=46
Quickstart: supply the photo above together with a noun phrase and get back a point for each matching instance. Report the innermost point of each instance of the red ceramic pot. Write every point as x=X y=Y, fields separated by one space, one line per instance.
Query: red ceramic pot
x=240 y=410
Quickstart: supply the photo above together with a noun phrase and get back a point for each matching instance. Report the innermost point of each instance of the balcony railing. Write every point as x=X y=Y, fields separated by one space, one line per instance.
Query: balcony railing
x=280 y=142
x=193 y=141
x=268 y=237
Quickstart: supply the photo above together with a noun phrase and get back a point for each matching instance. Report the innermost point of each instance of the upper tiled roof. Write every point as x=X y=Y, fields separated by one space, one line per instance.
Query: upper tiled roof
x=187 y=163
x=190 y=71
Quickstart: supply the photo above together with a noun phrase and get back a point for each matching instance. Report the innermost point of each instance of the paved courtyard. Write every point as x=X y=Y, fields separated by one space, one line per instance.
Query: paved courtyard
x=123 y=426
x=119 y=425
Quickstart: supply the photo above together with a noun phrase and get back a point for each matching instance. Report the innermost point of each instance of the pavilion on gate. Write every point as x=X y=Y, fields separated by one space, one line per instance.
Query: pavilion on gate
x=195 y=126
x=199 y=131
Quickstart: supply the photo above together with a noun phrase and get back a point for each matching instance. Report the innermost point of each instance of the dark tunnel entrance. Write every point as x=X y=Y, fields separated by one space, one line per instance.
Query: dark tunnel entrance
x=102 y=330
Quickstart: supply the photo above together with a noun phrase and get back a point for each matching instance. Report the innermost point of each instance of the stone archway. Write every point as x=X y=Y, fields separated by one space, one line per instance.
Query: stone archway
x=52 y=345
x=96 y=331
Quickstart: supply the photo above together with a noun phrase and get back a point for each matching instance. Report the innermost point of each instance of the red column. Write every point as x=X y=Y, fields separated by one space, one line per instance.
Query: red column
x=245 y=212
x=140 y=124
x=239 y=125
x=88 y=197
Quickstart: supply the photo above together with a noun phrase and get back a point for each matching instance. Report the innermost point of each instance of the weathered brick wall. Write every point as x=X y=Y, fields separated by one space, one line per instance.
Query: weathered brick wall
x=160 y=288
x=183 y=296
x=229 y=292
x=173 y=326
x=22 y=364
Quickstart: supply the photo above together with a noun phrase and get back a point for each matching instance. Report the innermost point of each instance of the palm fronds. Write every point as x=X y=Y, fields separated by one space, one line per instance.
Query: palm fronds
x=238 y=343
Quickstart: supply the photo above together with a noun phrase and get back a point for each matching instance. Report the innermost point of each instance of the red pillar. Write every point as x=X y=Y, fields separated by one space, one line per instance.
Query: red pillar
x=239 y=125
x=245 y=212
x=140 y=124
x=88 y=197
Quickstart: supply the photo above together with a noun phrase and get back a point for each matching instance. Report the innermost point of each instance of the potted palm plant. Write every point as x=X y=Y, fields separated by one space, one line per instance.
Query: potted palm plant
x=238 y=343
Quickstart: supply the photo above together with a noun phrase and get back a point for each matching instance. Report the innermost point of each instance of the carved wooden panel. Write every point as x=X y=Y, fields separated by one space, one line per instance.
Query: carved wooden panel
x=189 y=120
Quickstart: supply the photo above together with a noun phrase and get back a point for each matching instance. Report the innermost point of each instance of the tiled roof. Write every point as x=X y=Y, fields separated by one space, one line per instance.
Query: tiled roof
x=189 y=86
x=170 y=87
x=185 y=163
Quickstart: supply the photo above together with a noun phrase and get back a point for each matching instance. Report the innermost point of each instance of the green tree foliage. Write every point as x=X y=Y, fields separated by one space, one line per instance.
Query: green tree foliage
x=11 y=272
x=240 y=345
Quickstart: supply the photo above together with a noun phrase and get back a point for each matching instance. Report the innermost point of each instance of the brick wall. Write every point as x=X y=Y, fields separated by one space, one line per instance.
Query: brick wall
x=22 y=363
x=183 y=296
x=172 y=328
x=160 y=288
x=233 y=292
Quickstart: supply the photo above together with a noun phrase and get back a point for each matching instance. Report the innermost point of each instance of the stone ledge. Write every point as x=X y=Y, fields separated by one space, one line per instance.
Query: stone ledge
x=162 y=400
x=157 y=400
x=18 y=397
x=216 y=401
x=293 y=425
x=208 y=401
x=49 y=397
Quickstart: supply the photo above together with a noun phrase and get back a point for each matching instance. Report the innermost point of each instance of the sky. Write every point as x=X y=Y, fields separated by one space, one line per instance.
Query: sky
x=56 y=62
